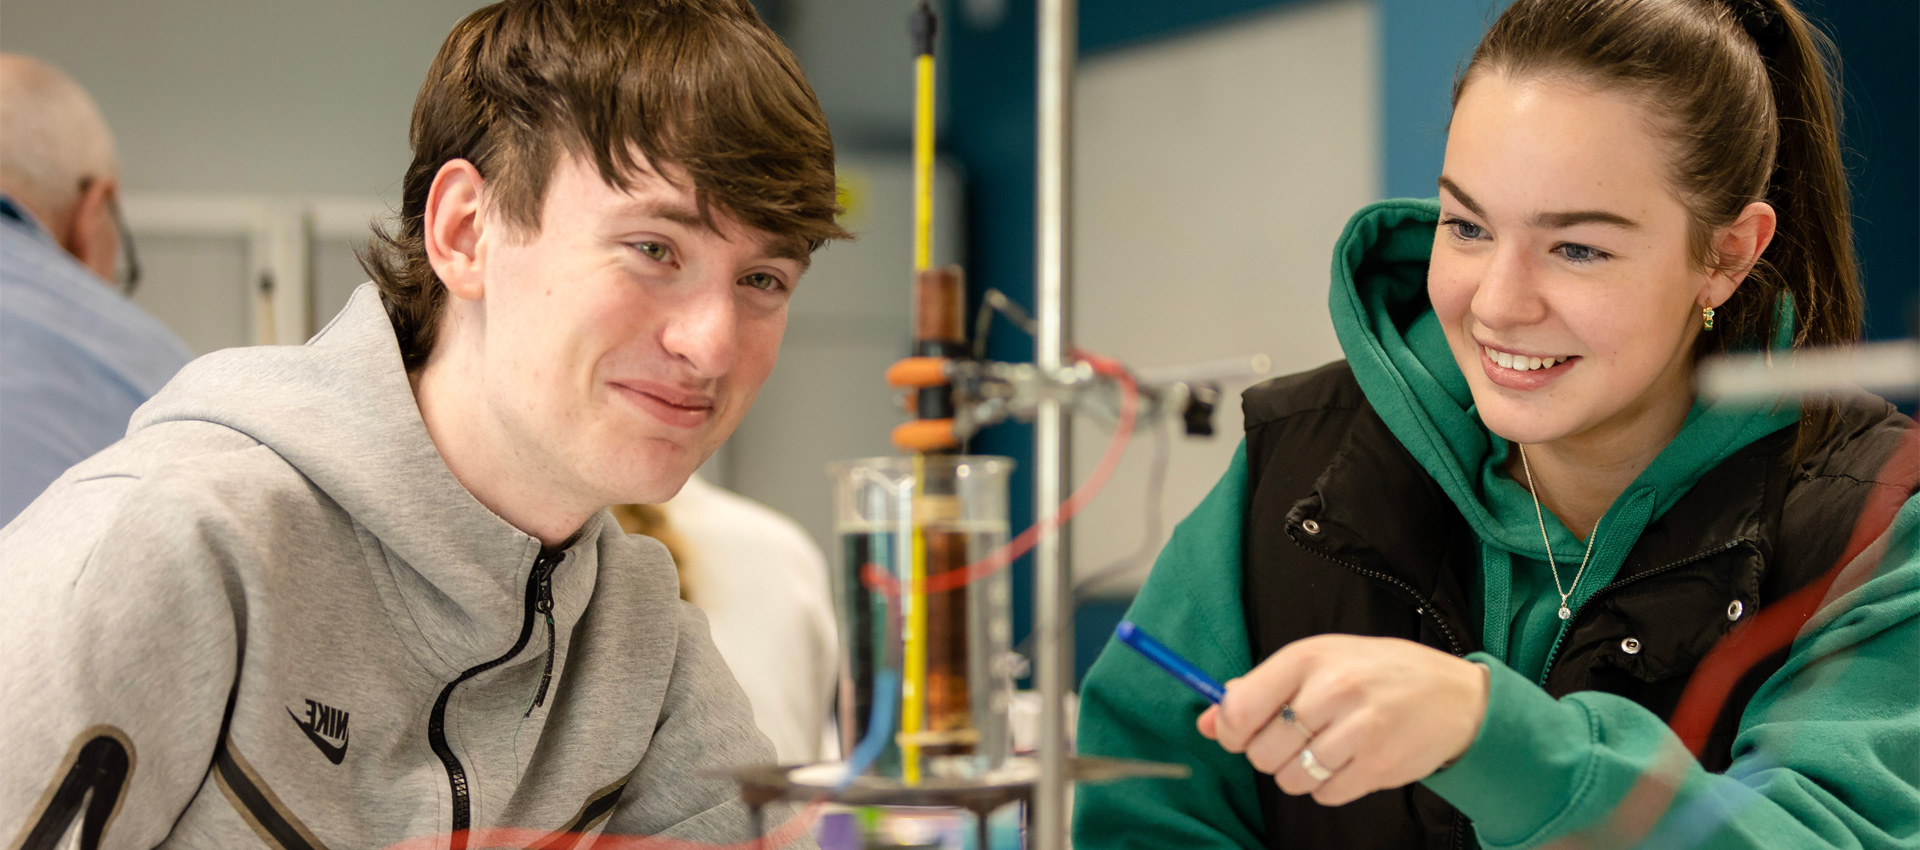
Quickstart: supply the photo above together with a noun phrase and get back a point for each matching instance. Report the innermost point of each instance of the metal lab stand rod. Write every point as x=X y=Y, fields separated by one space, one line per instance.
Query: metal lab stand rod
x=1053 y=585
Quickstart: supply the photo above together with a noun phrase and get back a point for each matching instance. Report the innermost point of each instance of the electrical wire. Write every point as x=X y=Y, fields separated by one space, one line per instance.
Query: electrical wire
x=879 y=582
x=1154 y=523
x=992 y=301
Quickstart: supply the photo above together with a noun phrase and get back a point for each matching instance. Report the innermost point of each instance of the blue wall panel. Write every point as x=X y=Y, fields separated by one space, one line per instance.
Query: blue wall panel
x=1423 y=43
x=1879 y=42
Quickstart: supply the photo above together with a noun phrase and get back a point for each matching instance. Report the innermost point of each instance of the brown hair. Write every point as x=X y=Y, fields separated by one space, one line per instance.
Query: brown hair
x=1746 y=94
x=701 y=84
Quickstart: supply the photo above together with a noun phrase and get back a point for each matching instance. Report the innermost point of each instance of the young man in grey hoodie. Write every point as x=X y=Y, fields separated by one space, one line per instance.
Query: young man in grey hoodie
x=364 y=591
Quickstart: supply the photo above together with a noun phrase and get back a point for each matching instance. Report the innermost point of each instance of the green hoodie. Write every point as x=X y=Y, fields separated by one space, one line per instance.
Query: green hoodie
x=1413 y=382
x=1853 y=741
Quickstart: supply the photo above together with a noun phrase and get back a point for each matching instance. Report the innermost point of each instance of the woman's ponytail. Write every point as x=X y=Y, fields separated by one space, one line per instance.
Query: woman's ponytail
x=1811 y=257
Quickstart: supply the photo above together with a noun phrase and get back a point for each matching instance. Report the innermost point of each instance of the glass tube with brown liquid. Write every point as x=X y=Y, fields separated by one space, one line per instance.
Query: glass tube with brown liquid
x=968 y=636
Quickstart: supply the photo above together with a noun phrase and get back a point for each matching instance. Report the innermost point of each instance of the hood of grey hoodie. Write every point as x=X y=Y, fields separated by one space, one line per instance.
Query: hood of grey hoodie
x=340 y=409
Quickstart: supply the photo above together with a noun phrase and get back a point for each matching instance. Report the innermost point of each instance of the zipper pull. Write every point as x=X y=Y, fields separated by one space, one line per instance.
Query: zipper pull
x=543 y=603
x=543 y=594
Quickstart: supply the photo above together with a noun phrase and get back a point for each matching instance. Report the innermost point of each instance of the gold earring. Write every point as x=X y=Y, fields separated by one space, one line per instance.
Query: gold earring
x=1706 y=315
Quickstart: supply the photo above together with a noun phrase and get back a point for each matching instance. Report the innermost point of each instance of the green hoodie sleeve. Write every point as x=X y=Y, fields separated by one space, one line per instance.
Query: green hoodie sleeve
x=1827 y=756
x=1131 y=709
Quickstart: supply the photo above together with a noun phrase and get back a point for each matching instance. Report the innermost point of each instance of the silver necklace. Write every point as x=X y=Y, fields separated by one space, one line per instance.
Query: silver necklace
x=1565 y=593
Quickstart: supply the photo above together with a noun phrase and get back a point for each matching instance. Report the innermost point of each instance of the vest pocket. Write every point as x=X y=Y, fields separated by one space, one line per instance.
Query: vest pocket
x=1661 y=627
x=1644 y=639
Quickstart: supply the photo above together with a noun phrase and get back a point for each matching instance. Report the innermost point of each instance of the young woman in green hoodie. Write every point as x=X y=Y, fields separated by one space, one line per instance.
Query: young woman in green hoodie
x=1479 y=561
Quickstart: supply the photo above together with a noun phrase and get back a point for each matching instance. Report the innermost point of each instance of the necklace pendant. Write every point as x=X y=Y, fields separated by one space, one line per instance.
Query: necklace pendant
x=1565 y=612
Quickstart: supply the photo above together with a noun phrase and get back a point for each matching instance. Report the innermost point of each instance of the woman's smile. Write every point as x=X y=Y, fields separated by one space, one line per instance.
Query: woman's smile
x=1518 y=371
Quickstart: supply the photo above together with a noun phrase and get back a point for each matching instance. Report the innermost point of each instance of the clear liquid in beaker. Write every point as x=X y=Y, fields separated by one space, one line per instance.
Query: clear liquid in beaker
x=863 y=614
x=950 y=644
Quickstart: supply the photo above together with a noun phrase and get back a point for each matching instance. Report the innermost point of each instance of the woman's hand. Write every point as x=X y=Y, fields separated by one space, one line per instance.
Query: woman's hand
x=1376 y=712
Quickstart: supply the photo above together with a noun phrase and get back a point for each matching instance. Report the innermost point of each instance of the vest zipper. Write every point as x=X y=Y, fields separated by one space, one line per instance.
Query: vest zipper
x=1424 y=607
x=437 y=720
x=1554 y=653
x=543 y=603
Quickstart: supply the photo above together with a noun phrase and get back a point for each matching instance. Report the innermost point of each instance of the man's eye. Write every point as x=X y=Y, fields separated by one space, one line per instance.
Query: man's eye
x=1576 y=253
x=764 y=282
x=1465 y=231
x=654 y=251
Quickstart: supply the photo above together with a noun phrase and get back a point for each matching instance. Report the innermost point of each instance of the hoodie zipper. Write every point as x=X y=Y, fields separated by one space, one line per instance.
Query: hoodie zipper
x=543 y=603
x=539 y=586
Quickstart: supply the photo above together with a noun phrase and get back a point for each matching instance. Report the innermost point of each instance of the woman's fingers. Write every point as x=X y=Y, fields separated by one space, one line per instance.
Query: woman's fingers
x=1277 y=743
x=1294 y=777
x=1342 y=749
x=1340 y=716
x=1254 y=699
x=1325 y=703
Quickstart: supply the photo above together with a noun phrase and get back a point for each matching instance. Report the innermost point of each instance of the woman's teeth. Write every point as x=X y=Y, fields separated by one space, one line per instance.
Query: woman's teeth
x=1521 y=362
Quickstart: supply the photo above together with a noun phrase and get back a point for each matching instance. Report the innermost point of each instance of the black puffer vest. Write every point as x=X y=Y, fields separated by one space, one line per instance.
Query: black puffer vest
x=1347 y=533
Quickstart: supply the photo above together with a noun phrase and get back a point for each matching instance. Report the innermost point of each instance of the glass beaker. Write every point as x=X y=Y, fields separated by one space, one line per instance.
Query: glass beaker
x=937 y=518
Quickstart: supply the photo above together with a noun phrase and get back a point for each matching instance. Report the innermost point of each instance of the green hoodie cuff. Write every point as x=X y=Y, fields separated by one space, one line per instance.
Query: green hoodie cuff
x=1523 y=772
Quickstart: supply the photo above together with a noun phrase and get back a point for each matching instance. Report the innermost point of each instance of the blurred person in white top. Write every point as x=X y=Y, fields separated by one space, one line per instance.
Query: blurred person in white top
x=763 y=584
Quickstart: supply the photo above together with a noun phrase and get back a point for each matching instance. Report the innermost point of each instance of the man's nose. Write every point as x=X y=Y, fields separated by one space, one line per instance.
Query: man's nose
x=1508 y=294
x=703 y=329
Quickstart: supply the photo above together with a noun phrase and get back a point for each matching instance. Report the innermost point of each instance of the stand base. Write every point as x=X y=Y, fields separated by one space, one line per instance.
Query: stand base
x=1013 y=782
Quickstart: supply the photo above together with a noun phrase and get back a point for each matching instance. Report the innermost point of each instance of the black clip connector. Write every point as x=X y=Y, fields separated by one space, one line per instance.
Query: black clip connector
x=923 y=26
x=1198 y=415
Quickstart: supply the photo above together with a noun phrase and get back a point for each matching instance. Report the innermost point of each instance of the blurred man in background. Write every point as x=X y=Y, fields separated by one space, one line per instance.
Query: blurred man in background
x=76 y=357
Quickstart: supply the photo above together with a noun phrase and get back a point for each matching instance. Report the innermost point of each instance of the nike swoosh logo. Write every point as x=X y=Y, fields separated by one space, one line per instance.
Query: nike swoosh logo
x=334 y=754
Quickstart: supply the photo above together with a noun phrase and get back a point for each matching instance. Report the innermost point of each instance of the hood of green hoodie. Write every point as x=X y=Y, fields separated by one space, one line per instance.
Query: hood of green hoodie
x=1399 y=354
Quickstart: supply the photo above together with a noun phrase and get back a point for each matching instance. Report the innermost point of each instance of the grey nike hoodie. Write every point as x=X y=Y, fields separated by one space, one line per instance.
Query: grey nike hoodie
x=271 y=615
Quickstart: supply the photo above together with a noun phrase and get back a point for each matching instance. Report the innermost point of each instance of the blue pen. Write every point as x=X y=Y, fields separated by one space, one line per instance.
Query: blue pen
x=1168 y=660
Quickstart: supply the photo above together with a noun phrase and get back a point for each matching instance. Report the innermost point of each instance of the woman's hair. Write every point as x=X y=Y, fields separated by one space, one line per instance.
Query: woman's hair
x=1745 y=93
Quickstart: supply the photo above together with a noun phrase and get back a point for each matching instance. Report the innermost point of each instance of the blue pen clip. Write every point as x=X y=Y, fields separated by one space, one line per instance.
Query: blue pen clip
x=1170 y=661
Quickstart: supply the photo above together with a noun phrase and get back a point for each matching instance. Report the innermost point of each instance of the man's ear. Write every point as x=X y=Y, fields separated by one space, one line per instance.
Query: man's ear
x=89 y=232
x=1736 y=249
x=452 y=228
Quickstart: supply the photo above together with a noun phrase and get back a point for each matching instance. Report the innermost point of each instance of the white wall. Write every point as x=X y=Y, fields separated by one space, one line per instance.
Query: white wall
x=1213 y=173
x=242 y=96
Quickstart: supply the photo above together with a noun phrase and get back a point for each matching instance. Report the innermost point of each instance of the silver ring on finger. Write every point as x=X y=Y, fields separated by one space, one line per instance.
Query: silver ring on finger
x=1313 y=767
